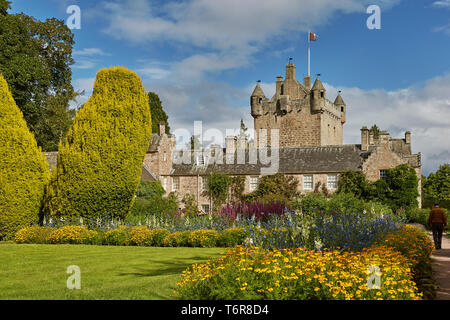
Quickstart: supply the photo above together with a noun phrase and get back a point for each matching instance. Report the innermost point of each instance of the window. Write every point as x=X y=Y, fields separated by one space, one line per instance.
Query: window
x=176 y=184
x=321 y=94
x=253 y=183
x=165 y=156
x=200 y=160
x=383 y=174
x=332 y=181
x=342 y=109
x=205 y=208
x=165 y=183
x=308 y=182
x=204 y=184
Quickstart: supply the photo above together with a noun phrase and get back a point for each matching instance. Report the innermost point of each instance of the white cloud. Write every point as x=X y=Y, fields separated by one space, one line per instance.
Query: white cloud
x=80 y=85
x=83 y=64
x=90 y=52
x=85 y=58
x=442 y=4
x=425 y=111
x=222 y=23
x=153 y=73
x=231 y=30
x=445 y=28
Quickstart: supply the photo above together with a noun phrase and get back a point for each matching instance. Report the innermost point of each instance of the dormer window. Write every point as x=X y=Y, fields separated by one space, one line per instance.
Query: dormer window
x=260 y=100
x=321 y=94
x=342 y=109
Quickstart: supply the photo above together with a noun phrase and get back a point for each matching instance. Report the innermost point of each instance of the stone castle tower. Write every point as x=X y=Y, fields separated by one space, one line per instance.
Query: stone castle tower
x=303 y=115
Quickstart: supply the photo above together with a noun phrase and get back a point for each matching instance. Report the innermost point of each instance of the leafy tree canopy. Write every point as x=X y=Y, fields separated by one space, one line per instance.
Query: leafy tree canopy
x=35 y=59
x=437 y=186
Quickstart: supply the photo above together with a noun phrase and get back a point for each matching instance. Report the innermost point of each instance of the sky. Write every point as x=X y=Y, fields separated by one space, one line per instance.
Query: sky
x=203 y=58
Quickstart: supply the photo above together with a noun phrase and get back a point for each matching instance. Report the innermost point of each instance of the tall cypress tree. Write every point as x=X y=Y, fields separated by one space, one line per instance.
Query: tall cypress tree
x=23 y=169
x=100 y=162
x=158 y=113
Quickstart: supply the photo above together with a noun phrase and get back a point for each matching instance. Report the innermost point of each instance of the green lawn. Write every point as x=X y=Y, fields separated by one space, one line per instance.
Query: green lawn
x=107 y=272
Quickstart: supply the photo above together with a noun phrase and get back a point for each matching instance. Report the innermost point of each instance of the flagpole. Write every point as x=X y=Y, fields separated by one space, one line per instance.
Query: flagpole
x=309 y=54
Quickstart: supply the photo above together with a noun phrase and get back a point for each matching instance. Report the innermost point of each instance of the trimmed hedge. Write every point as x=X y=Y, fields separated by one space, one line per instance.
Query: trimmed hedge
x=24 y=171
x=132 y=236
x=100 y=162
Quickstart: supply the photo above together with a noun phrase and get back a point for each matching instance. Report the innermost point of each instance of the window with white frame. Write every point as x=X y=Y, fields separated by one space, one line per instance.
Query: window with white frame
x=205 y=208
x=308 y=182
x=383 y=174
x=175 y=184
x=204 y=184
x=332 y=181
x=253 y=183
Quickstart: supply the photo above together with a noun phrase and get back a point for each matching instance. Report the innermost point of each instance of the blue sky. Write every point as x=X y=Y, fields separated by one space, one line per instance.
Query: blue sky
x=203 y=58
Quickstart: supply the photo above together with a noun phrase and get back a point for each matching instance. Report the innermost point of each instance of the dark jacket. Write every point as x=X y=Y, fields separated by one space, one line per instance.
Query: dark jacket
x=437 y=215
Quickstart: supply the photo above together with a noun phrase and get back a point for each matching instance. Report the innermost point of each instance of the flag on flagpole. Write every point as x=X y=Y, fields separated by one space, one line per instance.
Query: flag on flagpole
x=312 y=36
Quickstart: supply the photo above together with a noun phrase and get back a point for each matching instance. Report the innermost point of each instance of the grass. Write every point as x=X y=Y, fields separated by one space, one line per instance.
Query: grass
x=107 y=272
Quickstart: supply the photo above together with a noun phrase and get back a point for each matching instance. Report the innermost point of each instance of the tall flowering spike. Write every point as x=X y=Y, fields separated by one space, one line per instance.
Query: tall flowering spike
x=23 y=169
x=100 y=162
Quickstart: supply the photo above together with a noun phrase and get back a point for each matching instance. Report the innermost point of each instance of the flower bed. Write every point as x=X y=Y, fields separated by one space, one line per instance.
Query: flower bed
x=298 y=273
x=254 y=273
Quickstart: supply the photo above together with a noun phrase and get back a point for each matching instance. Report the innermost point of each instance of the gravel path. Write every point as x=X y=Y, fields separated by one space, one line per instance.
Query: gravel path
x=441 y=269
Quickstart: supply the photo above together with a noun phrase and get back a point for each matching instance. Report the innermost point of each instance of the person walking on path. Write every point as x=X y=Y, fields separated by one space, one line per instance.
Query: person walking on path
x=437 y=221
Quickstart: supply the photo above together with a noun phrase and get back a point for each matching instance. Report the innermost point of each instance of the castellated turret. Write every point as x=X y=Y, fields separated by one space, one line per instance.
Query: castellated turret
x=318 y=96
x=256 y=101
x=340 y=104
x=303 y=115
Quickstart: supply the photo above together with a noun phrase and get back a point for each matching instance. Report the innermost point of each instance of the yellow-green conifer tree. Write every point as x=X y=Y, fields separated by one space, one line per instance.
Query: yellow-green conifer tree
x=24 y=171
x=100 y=162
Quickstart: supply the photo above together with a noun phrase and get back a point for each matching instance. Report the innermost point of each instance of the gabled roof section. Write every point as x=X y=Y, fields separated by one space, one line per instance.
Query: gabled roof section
x=292 y=160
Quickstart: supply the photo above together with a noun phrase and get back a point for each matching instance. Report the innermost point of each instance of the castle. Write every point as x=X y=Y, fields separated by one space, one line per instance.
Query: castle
x=310 y=145
x=311 y=149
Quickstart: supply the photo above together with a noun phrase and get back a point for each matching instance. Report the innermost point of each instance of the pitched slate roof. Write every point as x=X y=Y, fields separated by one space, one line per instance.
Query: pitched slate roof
x=292 y=160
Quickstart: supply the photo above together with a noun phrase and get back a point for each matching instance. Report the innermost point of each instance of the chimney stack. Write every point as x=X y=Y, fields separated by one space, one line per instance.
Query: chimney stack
x=162 y=129
x=408 y=137
x=364 y=138
x=307 y=82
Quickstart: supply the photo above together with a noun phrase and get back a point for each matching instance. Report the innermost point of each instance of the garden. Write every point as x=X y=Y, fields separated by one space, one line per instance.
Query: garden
x=273 y=243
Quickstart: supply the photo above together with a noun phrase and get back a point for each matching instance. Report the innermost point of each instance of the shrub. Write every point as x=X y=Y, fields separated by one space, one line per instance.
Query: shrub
x=24 y=171
x=190 y=205
x=413 y=243
x=33 y=234
x=203 y=238
x=177 y=239
x=72 y=235
x=100 y=161
x=217 y=189
x=279 y=185
x=117 y=237
x=150 y=201
x=231 y=237
x=298 y=274
x=140 y=236
x=158 y=236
